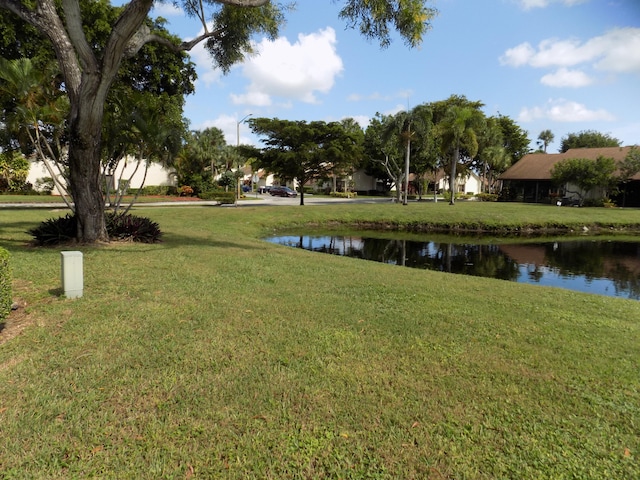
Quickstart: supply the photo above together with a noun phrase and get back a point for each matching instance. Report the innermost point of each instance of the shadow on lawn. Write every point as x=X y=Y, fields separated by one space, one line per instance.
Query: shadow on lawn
x=173 y=240
x=8 y=232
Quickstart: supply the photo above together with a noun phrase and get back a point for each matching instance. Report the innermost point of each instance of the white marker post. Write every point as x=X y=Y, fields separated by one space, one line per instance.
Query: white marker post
x=72 y=274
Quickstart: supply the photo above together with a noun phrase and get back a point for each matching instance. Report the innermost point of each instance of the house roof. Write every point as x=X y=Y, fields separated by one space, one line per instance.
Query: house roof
x=538 y=166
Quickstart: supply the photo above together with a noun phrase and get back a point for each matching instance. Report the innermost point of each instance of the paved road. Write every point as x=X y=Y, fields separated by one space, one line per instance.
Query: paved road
x=266 y=199
x=255 y=201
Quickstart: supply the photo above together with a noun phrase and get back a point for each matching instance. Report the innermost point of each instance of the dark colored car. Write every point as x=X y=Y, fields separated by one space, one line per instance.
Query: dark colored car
x=283 y=192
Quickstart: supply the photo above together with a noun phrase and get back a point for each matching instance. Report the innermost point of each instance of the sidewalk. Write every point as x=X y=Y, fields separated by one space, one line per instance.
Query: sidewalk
x=262 y=200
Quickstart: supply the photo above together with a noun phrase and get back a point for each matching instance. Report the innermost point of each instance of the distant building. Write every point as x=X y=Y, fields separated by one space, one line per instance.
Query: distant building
x=125 y=176
x=529 y=179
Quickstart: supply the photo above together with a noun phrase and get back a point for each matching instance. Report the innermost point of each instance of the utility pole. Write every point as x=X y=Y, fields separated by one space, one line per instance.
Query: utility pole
x=238 y=186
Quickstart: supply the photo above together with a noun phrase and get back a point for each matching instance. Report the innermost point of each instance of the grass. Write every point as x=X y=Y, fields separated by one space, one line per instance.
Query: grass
x=218 y=355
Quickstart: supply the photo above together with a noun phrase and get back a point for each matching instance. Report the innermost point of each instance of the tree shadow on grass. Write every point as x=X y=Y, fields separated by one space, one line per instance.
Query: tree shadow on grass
x=7 y=232
x=173 y=240
x=168 y=240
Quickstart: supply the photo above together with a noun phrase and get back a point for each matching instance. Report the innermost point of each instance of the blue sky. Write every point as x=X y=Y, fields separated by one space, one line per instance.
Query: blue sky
x=563 y=65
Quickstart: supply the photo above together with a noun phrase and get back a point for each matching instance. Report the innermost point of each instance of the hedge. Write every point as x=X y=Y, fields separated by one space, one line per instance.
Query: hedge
x=220 y=196
x=5 y=284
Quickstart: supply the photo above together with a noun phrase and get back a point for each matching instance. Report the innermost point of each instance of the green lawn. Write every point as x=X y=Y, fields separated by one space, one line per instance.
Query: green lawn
x=217 y=355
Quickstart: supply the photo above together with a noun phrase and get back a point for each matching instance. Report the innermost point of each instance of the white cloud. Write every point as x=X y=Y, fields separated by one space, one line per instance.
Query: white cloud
x=297 y=71
x=229 y=126
x=166 y=9
x=362 y=120
x=561 y=110
x=255 y=98
x=397 y=109
x=529 y=4
x=518 y=55
x=566 y=78
x=618 y=50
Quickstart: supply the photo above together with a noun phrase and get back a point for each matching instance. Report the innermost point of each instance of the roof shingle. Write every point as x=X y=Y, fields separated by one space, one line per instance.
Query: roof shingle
x=538 y=166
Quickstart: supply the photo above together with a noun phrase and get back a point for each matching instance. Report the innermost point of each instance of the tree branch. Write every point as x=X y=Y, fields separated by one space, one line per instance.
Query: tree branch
x=73 y=19
x=148 y=37
x=46 y=19
x=126 y=27
x=244 y=3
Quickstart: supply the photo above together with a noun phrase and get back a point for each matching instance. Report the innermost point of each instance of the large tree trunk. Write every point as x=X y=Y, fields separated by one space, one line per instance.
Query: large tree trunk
x=87 y=81
x=84 y=176
x=85 y=137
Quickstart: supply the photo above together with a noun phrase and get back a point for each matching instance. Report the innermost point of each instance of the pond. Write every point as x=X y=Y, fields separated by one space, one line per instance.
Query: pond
x=586 y=264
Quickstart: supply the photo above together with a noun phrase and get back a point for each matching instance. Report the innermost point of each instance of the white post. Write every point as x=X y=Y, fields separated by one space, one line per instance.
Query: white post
x=72 y=274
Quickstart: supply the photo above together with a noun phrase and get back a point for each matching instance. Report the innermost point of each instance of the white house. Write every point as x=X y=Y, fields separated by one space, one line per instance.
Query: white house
x=468 y=184
x=129 y=173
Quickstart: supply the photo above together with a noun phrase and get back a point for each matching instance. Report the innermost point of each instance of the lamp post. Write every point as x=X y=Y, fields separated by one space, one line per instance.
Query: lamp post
x=237 y=145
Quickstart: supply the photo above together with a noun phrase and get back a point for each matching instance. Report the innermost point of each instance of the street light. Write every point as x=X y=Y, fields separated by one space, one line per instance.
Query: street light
x=238 y=128
x=238 y=144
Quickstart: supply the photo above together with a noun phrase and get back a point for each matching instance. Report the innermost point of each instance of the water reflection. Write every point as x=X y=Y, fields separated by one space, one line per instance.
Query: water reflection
x=588 y=265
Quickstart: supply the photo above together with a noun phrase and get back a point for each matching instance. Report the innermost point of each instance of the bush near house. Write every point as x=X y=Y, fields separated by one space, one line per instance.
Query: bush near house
x=218 y=196
x=487 y=197
x=344 y=194
x=162 y=190
x=5 y=284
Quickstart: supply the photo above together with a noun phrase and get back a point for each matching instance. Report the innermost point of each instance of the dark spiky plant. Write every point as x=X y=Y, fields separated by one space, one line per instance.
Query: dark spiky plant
x=56 y=231
x=132 y=227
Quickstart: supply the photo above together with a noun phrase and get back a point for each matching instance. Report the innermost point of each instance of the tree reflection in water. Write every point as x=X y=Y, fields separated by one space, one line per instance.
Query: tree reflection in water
x=607 y=267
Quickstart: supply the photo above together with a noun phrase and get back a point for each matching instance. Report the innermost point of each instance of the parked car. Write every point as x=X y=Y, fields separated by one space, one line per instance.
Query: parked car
x=283 y=192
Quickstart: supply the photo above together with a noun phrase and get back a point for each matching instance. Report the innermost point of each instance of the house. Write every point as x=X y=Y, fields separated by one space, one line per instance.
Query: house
x=529 y=179
x=469 y=184
x=125 y=176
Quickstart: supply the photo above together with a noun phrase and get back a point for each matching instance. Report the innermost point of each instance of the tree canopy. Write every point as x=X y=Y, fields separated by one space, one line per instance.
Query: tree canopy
x=544 y=139
x=584 y=173
x=89 y=67
x=301 y=151
x=588 y=139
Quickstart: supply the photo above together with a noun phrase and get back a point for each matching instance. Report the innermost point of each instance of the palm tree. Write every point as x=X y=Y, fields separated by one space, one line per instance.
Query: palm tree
x=545 y=138
x=457 y=131
x=497 y=160
x=38 y=117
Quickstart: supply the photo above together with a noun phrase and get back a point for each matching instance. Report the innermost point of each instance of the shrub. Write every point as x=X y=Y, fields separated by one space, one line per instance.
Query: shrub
x=185 y=191
x=487 y=197
x=447 y=195
x=158 y=190
x=132 y=227
x=5 y=284
x=218 y=196
x=593 y=202
x=55 y=230
x=344 y=194
x=44 y=185
x=227 y=179
x=61 y=230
